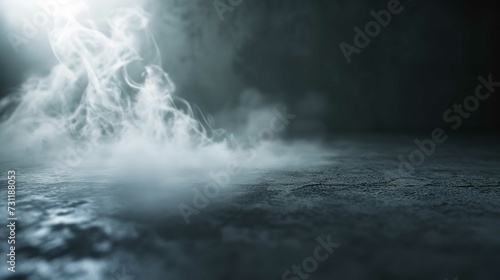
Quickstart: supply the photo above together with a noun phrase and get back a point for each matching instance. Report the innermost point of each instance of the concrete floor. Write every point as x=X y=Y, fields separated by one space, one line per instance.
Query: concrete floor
x=440 y=221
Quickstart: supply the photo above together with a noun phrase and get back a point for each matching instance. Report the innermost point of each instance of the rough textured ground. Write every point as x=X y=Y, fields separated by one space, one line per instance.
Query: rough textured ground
x=439 y=222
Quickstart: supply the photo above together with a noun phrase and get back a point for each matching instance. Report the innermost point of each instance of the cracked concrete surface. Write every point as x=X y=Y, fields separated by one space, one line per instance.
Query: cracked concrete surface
x=439 y=222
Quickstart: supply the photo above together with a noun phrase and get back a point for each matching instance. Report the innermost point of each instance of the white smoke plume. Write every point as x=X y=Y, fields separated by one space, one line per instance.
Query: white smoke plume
x=107 y=101
x=103 y=94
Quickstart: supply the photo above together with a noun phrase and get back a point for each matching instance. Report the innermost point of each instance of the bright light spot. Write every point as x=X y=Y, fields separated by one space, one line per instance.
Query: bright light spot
x=43 y=13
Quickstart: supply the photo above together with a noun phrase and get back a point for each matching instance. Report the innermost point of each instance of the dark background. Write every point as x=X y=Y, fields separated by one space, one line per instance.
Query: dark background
x=265 y=52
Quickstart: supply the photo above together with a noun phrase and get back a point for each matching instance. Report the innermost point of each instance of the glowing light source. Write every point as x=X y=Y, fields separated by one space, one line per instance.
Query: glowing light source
x=40 y=12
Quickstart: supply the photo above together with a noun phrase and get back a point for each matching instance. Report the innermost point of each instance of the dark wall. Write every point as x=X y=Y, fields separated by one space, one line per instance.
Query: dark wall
x=424 y=61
